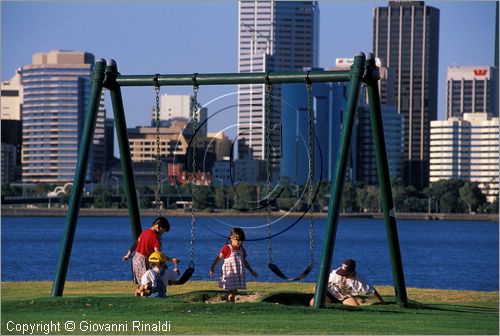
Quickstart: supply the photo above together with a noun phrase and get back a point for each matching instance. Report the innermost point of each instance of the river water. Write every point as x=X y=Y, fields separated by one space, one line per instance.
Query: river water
x=435 y=254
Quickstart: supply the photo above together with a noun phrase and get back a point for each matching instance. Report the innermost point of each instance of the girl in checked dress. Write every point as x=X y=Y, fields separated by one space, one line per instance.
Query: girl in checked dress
x=235 y=262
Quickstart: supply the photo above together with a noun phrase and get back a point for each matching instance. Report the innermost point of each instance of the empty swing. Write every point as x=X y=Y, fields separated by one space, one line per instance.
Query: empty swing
x=190 y=270
x=272 y=266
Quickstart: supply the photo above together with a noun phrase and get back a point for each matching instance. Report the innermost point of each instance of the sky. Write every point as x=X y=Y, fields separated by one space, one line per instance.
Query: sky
x=169 y=37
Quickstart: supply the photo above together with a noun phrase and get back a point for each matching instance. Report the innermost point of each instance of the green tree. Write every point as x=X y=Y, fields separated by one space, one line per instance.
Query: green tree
x=220 y=202
x=446 y=192
x=10 y=191
x=472 y=195
x=323 y=196
x=203 y=194
x=368 y=198
x=349 y=203
x=493 y=206
x=286 y=203
x=63 y=197
x=144 y=194
x=245 y=196
x=102 y=198
x=450 y=202
x=408 y=199
x=286 y=199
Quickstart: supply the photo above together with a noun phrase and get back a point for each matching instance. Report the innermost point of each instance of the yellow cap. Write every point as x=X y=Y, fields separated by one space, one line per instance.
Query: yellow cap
x=157 y=257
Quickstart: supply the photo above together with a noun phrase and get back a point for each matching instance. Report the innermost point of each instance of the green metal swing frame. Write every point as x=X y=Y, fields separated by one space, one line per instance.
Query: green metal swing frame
x=363 y=70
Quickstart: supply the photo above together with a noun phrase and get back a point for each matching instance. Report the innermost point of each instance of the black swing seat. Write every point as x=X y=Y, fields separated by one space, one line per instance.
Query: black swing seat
x=280 y=274
x=184 y=277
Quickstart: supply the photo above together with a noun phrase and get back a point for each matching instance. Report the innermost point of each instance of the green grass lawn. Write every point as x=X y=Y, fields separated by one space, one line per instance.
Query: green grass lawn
x=265 y=308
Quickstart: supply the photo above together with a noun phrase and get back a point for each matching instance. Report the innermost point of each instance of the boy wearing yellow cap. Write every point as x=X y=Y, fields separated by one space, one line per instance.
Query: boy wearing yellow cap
x=154 y=282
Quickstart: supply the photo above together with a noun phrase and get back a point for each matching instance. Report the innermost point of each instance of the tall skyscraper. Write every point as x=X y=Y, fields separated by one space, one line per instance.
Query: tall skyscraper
x=366 y=161
x=327 y=109
x=406 y=39
x=272 y=36
x=328 y=104
x=470 y=90
x=56 y=92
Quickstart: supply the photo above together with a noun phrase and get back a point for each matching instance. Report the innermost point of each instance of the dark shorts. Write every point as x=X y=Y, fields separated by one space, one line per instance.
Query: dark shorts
x=332 y=298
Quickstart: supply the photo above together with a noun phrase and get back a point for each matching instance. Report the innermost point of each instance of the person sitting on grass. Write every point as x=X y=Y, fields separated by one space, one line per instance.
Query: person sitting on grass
x=346 y=286
x=155 y=281
x=233 y=275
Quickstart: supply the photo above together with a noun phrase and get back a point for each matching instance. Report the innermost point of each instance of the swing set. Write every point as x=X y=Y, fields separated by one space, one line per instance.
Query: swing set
x=363 y=70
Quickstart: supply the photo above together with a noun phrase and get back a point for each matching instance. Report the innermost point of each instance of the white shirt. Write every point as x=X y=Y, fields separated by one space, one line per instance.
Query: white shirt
x=339 y=285
x=149 y=278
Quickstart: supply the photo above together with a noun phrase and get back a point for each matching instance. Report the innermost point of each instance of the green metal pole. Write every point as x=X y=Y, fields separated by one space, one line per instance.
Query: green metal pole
x=123 y=144
x=79 y=179
x=371 y=79
x=233 y=78
x=356 y=75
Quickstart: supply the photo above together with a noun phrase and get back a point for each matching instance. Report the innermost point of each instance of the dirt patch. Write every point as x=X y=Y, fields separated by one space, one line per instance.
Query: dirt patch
x=219 y=296
x=255 y=297
x=240 y=298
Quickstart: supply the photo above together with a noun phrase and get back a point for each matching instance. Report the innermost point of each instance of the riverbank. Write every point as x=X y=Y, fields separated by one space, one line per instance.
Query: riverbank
x=85 y=212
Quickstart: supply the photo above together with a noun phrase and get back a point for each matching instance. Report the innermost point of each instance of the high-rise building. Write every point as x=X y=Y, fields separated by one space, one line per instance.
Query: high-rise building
x=180 y=107
x=470 y=90
x=366 y=162
x=328 y=104
x=12 y=98
x=109 y=136
x=11 y=103
x=221 y=143
x=56 y=93
x=406 y=39
x=363 y=159
x=8 y=163
x=272 y=36
x=327 y=109
x=466 y=148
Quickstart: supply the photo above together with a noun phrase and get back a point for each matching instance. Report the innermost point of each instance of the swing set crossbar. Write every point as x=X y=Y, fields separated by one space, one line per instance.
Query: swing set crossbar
x=233 y=78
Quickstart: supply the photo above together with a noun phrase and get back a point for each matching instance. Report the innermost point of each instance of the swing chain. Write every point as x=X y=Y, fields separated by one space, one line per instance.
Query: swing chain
x=268 y=89
x=193 y=179
x=310 y=150
x=158 y=157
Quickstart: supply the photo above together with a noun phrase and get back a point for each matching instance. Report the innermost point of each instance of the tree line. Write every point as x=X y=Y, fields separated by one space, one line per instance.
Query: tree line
x=445 y=196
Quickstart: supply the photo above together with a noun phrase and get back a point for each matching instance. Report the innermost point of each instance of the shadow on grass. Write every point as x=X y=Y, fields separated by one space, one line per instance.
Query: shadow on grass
x=289 y=298
x=285 y=299
x=451 y=307
x=390 y=306
x=201 y=296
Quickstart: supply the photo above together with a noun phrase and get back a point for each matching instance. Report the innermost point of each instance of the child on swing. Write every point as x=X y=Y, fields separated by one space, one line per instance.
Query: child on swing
x=155 y=281
x=235 y=262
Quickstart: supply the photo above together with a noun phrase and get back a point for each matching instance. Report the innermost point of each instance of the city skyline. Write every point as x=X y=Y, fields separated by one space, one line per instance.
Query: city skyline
x=171 y=37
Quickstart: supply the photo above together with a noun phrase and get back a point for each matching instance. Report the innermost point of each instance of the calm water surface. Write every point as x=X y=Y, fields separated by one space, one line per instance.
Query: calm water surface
x=436 y=254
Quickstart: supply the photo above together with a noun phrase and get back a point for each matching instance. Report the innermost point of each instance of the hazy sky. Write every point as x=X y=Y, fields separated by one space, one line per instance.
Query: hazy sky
x=149 y=37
